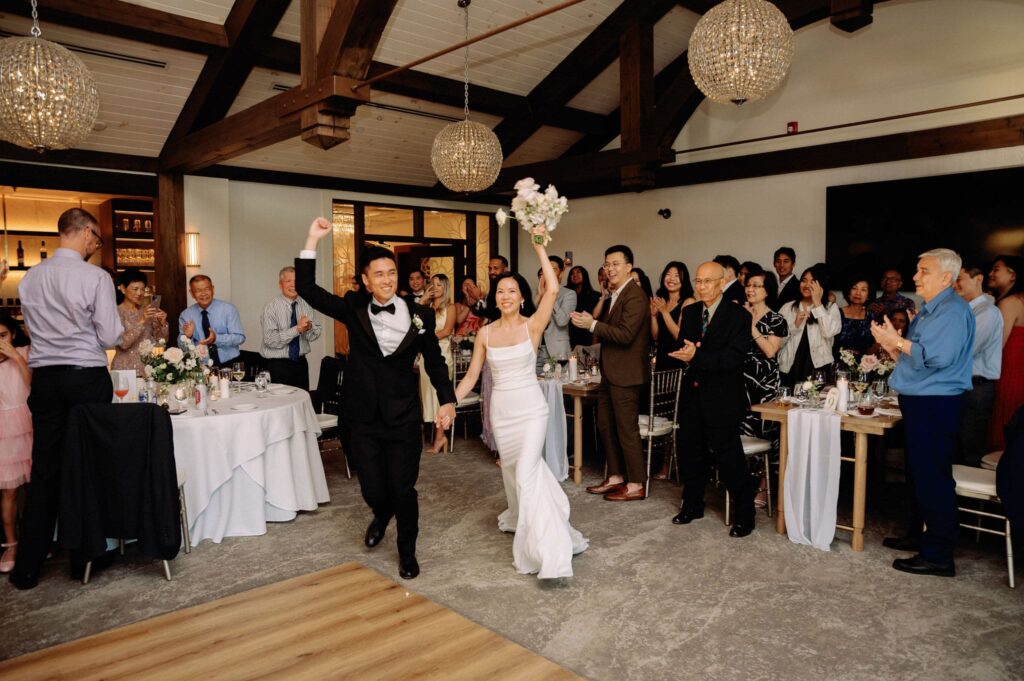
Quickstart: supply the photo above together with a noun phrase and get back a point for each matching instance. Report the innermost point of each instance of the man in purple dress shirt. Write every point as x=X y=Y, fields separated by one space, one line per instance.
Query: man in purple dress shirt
x=71 y=313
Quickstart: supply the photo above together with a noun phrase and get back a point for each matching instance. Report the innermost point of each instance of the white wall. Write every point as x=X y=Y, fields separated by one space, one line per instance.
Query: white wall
x=249 y=231
x=918 y=54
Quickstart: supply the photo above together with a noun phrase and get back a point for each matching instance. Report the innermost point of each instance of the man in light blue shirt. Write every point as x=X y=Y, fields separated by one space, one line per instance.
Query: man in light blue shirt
x=211 y=322
x=933 y=371
x=988 y=361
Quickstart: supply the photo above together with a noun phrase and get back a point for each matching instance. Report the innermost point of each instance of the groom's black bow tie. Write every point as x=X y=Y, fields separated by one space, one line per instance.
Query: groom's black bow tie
x=377 y=309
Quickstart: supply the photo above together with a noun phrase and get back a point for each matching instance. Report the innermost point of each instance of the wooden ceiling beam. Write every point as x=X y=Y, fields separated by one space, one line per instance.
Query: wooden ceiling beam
x=851 y=15
x=590 y=57
x=583 y=168
x=249 y=23
x=130 y=21
x=636 y=97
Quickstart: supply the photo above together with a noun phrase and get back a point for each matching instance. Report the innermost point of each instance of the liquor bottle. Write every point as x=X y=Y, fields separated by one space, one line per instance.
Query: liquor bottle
x=21 y=255
x=42 y=251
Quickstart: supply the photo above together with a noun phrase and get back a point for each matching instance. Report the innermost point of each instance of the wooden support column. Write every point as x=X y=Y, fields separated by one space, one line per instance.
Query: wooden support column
x=322 y=126
x=636 y=90
x=169 y=235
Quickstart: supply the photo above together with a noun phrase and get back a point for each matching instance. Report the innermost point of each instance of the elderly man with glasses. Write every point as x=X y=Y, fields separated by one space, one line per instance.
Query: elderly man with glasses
x=716 y=336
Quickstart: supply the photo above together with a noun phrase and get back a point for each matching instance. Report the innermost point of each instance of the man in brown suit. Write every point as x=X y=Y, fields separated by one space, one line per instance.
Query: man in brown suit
x=624 y=335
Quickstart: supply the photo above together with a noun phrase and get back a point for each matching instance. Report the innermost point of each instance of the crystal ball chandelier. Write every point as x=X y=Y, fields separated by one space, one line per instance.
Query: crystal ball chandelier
x=466 y=155
x=48 y=98
x=740 y=51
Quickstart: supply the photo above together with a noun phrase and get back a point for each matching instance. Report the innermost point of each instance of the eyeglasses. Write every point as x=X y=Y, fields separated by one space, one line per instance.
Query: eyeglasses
x=617 y=263
x=706 y=282
x=98 y=237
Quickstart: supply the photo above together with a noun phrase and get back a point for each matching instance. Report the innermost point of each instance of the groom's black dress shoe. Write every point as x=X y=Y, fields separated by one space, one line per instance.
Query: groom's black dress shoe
x=24 y=582
x=741 y=529
x=919 y=566
x=408 y=568
x=685 y=517
x=911 y=542
x=375 y=532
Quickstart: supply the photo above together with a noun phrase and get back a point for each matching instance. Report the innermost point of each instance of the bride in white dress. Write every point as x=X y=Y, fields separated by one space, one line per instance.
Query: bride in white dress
x=538 y=510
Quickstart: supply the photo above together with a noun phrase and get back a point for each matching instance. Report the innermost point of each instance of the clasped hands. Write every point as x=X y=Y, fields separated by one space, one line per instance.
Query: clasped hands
x=303 y=325
x=445 y=416
x=581 y=320
x=685 y=353
x=886 y=335
x=189 y=327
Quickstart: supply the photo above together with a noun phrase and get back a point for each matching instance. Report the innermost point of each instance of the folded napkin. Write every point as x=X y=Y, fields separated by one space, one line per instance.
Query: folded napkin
x=882 y=411
x=812 y=477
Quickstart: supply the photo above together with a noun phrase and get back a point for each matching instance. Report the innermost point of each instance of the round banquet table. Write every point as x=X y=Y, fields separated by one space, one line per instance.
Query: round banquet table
x=250 y=461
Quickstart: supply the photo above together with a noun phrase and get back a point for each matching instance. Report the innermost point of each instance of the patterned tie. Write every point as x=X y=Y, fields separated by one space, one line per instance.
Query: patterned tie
x=704 y=321
x=293 y=345
x=206 y=334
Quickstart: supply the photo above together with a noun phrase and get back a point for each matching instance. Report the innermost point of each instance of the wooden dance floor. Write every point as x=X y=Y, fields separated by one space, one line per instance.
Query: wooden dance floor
x=346 y=622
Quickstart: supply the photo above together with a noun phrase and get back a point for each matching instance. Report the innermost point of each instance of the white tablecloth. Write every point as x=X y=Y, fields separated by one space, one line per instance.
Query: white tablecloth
x=812 y=477
x=246 y=468
x=555 y=442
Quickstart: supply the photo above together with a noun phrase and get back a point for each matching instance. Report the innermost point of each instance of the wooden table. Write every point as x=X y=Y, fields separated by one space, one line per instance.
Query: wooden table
x=578 y=392
x=861 y=428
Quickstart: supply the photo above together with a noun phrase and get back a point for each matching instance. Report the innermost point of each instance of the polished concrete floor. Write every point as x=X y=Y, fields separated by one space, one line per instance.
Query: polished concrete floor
x=649 y=600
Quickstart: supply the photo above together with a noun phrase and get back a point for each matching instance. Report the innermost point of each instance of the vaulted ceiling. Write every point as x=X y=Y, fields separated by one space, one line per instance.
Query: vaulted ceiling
x=170 y=72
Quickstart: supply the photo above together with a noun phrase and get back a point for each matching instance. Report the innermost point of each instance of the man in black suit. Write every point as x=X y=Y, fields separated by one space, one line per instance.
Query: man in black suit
x=732 y=289
x=716 y=337
x=789 y=285
x=380 y=390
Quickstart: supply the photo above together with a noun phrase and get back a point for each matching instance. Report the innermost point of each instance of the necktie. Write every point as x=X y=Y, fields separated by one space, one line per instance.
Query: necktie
x=377 y=309
x=206 y=334
x=293 y=344
x=704 y=321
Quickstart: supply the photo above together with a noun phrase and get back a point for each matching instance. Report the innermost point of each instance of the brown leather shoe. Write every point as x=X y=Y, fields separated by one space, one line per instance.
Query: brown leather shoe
x=605 y=487
x=625 y=495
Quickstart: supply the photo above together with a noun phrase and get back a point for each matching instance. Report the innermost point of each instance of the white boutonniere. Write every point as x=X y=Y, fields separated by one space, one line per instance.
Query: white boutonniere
x=418 y=323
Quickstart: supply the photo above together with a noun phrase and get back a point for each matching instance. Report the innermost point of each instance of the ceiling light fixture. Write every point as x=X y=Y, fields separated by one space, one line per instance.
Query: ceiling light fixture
x=466 y=156
x=48 y=98
x=740 y=51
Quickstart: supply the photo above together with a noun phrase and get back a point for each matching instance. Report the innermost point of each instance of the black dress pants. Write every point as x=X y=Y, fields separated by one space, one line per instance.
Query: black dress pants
x=703 y=443
x=387 y=460
x=55 y=390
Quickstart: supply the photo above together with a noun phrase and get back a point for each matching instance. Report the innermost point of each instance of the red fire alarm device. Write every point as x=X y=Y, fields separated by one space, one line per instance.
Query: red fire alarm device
x=792 y=128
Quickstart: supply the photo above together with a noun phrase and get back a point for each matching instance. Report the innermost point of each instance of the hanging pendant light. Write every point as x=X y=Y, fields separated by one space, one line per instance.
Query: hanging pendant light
x=48 y=98
x=466 y=156
x=740 y=51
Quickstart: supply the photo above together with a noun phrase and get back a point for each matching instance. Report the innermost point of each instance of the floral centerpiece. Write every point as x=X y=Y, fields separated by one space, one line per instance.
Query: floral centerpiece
x=189 y=362
x=868 y=363
x=534 y=208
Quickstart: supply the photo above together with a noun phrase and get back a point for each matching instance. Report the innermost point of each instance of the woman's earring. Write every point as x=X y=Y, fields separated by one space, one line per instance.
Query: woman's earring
x=522 y=305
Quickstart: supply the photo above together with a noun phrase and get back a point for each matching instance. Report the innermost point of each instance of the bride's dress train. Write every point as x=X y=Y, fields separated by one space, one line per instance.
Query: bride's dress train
x=538 y=510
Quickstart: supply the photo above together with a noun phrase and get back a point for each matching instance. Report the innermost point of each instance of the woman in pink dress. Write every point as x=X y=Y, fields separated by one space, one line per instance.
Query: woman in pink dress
x=141 y=320
x=15 y=430
x=1006 y=280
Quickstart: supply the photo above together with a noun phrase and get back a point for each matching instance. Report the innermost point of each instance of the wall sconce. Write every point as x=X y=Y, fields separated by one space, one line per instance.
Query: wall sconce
x=191 y=249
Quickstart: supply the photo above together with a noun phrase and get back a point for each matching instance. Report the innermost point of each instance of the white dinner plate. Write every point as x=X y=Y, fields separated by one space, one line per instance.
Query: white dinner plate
x=281 y=391
x=244 y=406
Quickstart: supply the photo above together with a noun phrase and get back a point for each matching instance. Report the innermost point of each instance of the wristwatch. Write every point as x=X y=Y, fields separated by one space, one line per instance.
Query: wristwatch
x=899 y=345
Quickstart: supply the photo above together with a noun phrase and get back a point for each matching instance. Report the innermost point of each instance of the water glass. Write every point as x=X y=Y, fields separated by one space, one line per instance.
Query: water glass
x=782 y=394
x=262 y=380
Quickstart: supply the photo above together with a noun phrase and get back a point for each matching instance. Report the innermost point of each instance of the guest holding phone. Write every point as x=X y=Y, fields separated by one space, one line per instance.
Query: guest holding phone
x=141 y=317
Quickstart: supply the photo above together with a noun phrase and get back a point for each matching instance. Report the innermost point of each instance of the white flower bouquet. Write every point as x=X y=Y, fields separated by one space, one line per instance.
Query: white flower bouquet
x=176 y=364
x=868 y=363
x=534 y=209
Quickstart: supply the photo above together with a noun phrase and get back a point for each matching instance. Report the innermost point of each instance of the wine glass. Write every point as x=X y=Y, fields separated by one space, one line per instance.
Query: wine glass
x=818 y=379
x=859 y=382
x=238 y=371
x=120 y=388
x=879 y=387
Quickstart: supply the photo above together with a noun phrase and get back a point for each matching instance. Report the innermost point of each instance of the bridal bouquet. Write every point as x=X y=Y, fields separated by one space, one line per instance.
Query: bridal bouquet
x=174 y=365
x=534 y=208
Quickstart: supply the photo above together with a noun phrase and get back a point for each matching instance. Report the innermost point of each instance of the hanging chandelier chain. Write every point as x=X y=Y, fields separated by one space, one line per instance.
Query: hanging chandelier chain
x=36 y=32
x=465 y=105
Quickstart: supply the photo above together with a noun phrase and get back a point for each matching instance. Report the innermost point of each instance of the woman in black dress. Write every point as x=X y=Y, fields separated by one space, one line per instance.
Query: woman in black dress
x=761 y=368
x=586 y=301
x=675 y=293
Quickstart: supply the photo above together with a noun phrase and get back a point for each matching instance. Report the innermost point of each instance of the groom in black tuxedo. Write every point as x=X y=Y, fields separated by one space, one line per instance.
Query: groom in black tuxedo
x=380 y=389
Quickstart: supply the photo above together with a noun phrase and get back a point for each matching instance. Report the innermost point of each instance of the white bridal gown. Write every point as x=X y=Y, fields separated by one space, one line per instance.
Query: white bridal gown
x=538 y=510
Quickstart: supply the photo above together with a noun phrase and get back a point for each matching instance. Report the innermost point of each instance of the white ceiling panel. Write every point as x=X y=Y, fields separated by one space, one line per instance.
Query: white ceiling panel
x=543 y=145
x=386 y=146
x=214 y=11
x=671 y=38
x=514 y=61
x=138 y=102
